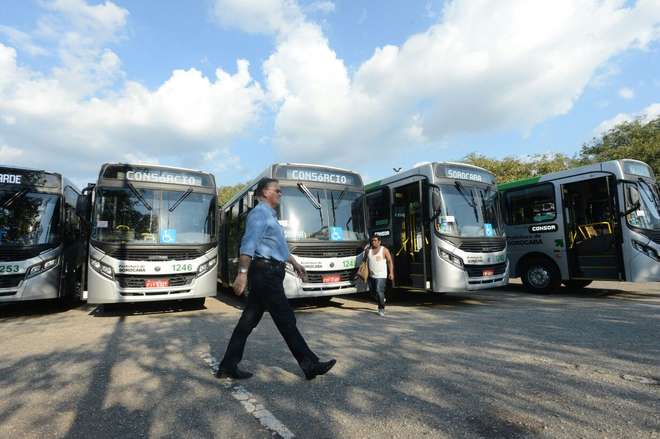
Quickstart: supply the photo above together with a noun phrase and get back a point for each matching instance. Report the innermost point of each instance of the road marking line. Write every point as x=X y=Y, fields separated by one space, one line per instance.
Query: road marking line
x=249 y=402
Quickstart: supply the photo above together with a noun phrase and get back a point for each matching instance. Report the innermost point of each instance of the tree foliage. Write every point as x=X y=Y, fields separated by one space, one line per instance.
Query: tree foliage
x=630 y=140
x=512 y=168
x=226 y=192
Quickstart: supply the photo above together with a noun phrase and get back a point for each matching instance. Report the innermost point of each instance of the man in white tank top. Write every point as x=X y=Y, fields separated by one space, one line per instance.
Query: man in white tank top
x=381 y=268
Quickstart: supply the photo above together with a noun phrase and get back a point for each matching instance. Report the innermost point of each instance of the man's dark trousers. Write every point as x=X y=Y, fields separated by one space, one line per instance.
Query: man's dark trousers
x=265 y=282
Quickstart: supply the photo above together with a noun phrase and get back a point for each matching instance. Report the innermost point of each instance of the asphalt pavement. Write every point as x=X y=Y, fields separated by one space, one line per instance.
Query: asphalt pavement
x=498 y=363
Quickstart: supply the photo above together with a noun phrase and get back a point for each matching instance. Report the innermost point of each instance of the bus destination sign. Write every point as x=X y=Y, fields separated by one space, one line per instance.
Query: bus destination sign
x=155 y=175
x=28 y=178
x=317 y=175
x=464 y=173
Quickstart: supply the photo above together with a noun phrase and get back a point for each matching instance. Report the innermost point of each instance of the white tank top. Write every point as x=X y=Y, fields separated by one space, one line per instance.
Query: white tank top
x=377 y=264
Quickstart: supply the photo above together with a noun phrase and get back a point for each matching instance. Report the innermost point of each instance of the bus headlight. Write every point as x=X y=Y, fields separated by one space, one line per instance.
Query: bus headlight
x=648 y=251
x=42 y=266
x=206 y=266
x=451 y=258
x=101 y=268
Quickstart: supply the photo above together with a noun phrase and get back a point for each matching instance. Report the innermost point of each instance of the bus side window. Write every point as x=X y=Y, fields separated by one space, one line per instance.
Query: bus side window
x=378 y=206
x=530 y=205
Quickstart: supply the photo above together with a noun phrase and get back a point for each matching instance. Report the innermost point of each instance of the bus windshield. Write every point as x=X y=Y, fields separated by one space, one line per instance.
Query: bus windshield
x=466 y=210
x=147 y=216
x=323 y=214
x=28 y=218
x=647 y=214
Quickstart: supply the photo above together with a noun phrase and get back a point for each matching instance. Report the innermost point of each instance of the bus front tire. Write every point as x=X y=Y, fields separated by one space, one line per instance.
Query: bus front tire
x=576 y=284
x=540 y=276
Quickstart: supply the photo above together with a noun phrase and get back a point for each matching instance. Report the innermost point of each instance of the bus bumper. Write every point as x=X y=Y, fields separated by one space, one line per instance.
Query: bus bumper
x=457 y=280
x=42 y=286
x=104 y=290
x=295 y=288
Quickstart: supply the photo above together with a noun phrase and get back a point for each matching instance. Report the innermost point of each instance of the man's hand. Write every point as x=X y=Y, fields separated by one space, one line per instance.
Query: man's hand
x=240 y=283
x=391 y=277
x=300 y=270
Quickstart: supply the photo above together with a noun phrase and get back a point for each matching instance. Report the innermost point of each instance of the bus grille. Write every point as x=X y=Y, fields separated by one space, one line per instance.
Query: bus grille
x=478 y=270
x=11 y=280
x=132 y=281
x=316 y=277
x=483 y=246
x=18 y=254
x=326 y=251
x=161 y=254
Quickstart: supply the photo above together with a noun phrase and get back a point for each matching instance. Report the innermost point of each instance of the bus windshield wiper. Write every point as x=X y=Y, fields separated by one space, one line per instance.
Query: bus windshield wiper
x=181 y=198
x=13 y=198
x=472 y=203
x=316 y=203
x=305 y=190
x=139 y=196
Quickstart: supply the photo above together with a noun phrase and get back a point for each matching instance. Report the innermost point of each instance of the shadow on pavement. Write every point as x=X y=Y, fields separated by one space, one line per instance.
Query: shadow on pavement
x=143 y=308
x=36 y=308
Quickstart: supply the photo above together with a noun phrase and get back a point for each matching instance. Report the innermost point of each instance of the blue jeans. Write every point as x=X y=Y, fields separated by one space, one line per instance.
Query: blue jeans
x=377 y=288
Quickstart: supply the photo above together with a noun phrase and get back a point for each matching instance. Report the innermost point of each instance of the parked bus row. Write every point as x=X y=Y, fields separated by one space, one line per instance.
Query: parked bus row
x=147 y=232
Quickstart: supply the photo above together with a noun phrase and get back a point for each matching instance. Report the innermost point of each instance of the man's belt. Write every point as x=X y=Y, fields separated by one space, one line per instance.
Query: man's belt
x=274 y=263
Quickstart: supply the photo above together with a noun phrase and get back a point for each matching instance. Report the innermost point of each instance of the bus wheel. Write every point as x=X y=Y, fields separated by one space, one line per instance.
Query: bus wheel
x=540 y=276
x=576 y=284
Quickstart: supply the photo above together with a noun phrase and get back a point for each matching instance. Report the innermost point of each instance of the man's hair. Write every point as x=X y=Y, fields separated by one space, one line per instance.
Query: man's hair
x=263 y=185
x=374 y=236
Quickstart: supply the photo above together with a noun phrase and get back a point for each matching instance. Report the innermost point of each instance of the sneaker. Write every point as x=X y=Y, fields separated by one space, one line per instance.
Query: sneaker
x=381 y=312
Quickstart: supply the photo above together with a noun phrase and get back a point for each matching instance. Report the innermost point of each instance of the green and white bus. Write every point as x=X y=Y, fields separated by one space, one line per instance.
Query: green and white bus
x=442 y=224
x=322 y=213
x=41 y=239
x=153 y=234
x=600 y=221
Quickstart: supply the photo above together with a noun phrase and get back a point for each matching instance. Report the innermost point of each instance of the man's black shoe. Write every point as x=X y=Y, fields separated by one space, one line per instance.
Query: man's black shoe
x=319 y=368
x=237 y=374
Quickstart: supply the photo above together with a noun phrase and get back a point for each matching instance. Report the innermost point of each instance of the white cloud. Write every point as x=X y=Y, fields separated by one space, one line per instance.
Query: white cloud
x=258 y=16
x=645 y=116
x=323 y=7
x=445 y=80
x=626 y=93
x=22 y=40
x=85 y=111
x=478 y=69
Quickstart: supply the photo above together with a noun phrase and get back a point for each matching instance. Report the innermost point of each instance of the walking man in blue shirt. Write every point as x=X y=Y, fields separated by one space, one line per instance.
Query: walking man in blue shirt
x=264 y=253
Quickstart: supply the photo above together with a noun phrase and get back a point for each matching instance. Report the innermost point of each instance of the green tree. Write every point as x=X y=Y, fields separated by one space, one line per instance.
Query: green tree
x=226 y=192
x=630 y=140
x=512 y=168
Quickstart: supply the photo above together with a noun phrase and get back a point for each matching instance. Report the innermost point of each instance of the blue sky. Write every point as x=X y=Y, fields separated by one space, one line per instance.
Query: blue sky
x=364 y=85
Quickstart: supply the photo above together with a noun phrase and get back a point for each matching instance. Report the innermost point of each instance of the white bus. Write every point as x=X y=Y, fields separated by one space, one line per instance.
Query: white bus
x=322 y=212
x=441 y=222
x=600 y=221
x=153 y=234
x=41 y=245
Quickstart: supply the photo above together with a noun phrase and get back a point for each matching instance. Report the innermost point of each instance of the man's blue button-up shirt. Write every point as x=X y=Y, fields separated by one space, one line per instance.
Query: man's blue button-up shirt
x=264 y=236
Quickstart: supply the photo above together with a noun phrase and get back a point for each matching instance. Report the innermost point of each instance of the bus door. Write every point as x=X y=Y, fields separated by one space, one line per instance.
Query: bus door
x=410 y=241
x=592 y=229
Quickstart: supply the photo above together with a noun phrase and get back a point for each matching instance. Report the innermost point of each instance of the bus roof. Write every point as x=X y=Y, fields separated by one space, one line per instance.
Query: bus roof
x=23 y=176
x=156 y=174
x=427 y=169
x=615 y=166
x=270 y=172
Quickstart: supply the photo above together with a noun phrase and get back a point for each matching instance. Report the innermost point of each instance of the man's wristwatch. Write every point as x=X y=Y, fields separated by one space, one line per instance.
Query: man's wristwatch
x=242 y=270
